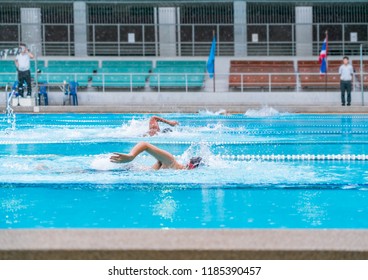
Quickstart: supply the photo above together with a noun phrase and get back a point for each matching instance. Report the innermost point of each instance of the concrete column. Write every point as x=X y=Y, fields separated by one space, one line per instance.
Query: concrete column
x=240 y=28
x=30 y=19
x=304 y=31
x=167 y=31
x=80 y=28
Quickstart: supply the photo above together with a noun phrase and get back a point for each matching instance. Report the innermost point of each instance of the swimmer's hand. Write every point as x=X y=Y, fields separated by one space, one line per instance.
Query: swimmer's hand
x=121 y=158
x=173 y=123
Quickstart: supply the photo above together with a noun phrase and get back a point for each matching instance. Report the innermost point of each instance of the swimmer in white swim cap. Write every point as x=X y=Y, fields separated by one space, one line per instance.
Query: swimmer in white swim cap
x=154 y=128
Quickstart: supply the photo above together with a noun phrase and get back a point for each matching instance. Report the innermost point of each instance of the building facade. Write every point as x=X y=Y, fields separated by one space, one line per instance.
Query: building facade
x=184 y=28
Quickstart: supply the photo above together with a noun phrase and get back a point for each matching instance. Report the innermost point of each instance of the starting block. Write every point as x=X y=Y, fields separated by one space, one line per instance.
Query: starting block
x=21 y=101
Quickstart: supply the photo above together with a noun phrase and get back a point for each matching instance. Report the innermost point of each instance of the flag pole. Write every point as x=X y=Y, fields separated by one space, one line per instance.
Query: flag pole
x=214 y=71
x=326 y=60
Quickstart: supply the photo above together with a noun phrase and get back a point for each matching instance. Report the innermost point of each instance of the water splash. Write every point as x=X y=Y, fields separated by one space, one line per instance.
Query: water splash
x=203 y=150
x=11 y=120
x=10 y=115
x=211 y=113
x=263 y=112
x=134 y=128
x=102 y=163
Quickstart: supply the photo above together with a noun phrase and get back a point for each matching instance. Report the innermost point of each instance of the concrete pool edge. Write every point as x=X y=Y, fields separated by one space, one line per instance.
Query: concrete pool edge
x=183 y=244
x=188 y=108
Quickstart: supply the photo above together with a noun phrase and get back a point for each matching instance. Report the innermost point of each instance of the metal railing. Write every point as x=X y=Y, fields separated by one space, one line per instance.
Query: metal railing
x=223 y=82
x=293 y=81
x=191 y=39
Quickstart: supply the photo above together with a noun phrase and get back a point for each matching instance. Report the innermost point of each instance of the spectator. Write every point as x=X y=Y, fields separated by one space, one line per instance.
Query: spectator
x=346 y=72
x=22 y=62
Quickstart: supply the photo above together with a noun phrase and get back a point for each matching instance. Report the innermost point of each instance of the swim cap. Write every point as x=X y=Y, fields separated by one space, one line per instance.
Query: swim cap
x=194 y=162
x=166 y=130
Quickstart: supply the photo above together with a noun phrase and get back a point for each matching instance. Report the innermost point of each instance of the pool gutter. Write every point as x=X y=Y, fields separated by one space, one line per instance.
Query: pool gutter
x=183 y=244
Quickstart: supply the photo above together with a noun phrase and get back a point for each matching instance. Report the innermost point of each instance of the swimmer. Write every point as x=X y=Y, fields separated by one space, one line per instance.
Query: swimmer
x=42 y=167
x=165 y=160
x=154 y=128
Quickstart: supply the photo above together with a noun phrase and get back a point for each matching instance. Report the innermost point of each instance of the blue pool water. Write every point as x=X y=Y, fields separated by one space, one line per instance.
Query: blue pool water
x=262 y=171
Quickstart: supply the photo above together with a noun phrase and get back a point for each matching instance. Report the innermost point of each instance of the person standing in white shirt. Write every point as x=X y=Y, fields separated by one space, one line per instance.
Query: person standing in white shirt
x=346 y=72
x=23 y=64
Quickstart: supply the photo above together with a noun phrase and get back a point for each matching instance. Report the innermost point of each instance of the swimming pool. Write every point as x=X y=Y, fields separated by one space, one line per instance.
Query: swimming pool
x=273 y=171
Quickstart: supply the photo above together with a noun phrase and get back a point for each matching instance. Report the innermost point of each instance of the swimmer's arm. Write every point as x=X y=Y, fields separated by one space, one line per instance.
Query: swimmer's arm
x=160 y=155
x=157 y=165
x=121 y=158
x=172 y=123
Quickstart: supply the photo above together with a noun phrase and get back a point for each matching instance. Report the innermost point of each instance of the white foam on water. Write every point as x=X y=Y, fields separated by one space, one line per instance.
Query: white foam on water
x=131 y=129
x=102 y=163
x=211 y=113
x=263 y=112
x=16 y=166
x=134 y=128
x=203 y=150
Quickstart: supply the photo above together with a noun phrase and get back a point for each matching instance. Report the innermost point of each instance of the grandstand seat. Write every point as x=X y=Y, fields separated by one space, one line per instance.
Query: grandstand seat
x=40 y=65
x=118 y=80
x=283 y=81
x=310 y=77
x=356 y=65
x=56 y=78
x=255 y=74
x=180 y=63
x=318 y=81
x=249 y=81
x=7 y=72
x=7 y=66
x=260 y=62
x=90 y=64
x=122 y=74
x=59 y=71
x=178 y=74
x=126 y=63
x=6 y=78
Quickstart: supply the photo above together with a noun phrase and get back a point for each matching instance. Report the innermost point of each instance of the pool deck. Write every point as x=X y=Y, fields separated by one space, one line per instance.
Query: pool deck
x=188 y=108
x=183 y=244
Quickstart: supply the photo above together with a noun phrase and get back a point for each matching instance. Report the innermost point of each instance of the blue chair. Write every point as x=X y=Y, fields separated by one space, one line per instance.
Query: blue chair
x=72 y=91
x=42 y=94
x=14 y=90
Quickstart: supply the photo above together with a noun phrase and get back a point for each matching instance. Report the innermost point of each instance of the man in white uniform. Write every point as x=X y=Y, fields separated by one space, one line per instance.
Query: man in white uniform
x=22 y=62
x=346 y=72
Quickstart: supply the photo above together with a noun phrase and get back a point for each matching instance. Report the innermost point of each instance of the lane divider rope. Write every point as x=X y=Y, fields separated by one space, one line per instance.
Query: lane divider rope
x=245 y=157
x=302 y=157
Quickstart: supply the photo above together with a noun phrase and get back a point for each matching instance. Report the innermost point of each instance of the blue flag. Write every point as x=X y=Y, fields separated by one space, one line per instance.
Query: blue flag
x=211 y=59
x=323 y=56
